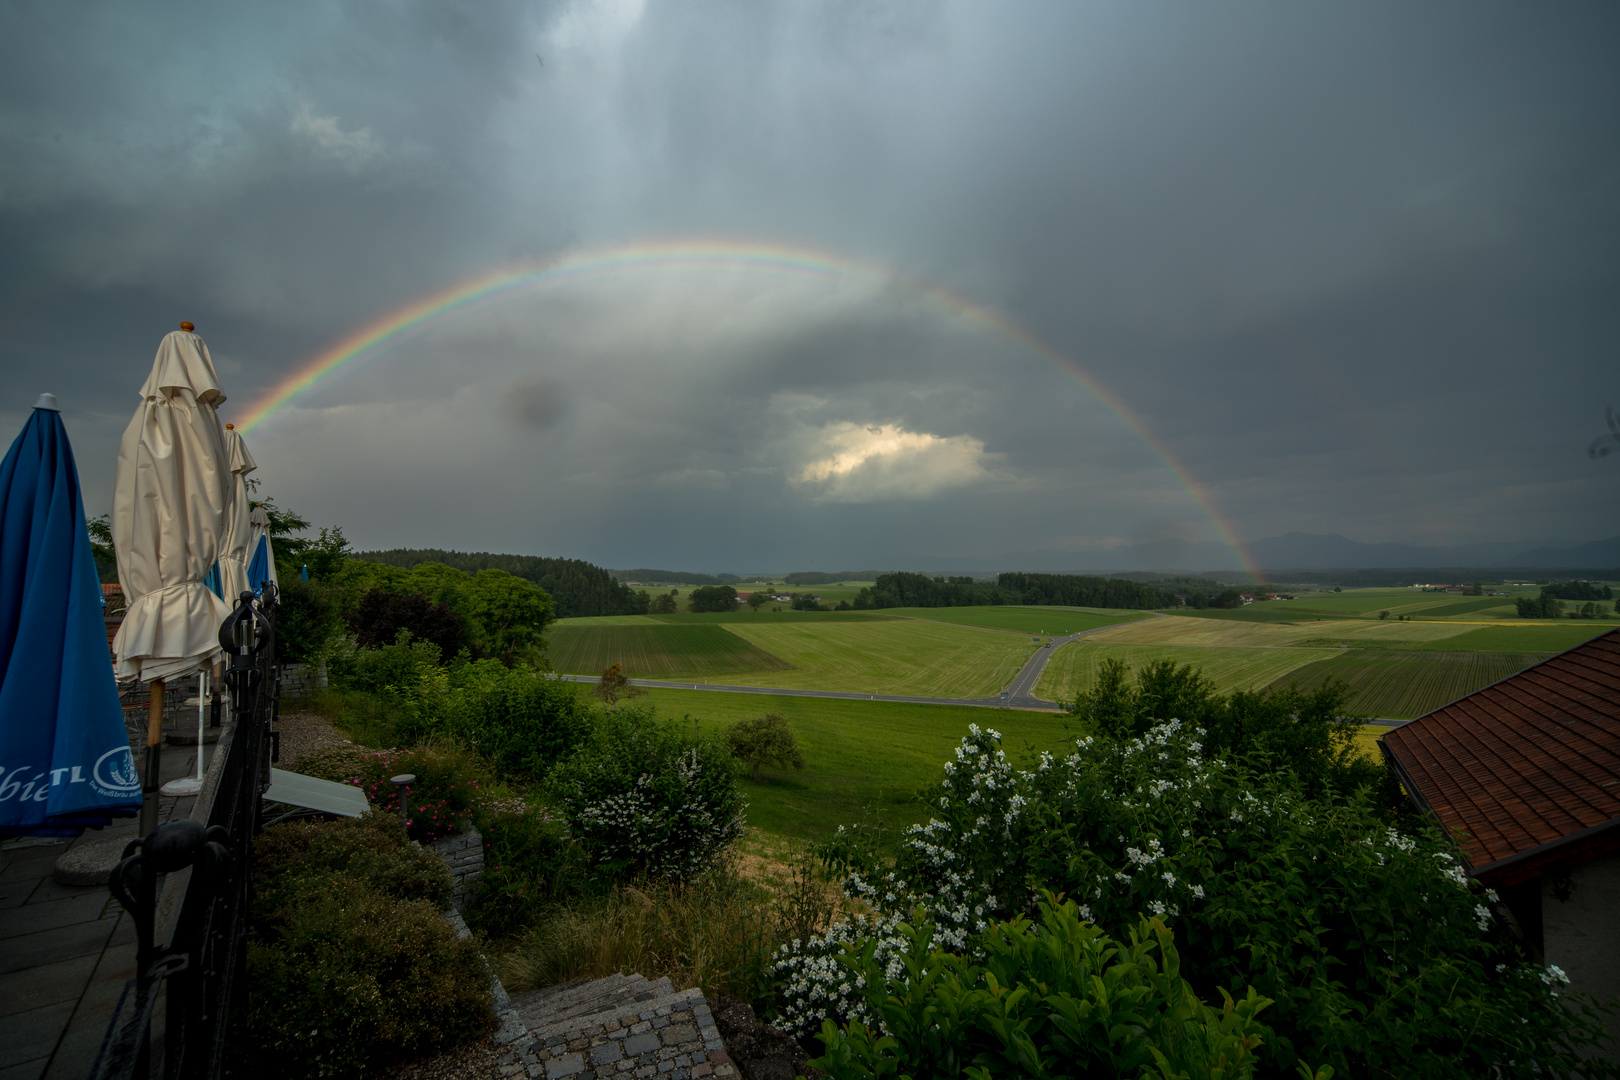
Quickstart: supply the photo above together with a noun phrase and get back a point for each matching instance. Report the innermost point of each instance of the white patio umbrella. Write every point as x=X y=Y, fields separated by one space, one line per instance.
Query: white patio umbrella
x=235 y=544
x=171 y=491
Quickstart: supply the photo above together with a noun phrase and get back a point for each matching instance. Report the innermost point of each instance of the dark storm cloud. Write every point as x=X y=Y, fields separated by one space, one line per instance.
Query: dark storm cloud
x=1355 y=266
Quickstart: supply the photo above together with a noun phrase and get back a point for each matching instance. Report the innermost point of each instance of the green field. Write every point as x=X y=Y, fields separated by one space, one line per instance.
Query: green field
x=859 y=756
x=1402 y=685
x=1051 y=621
x=893 y=656
x=1074 y=666
x=1529 y=636
x=745 y=614
x=656 y=651
x=1321 y=633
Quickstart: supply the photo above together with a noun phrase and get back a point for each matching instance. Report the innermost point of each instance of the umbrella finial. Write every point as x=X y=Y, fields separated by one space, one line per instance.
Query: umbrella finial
x=48 y=403
x=188 y=327
x=230 y=427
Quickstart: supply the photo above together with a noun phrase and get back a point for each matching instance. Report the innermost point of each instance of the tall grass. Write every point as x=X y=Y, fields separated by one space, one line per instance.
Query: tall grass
x=719 y=933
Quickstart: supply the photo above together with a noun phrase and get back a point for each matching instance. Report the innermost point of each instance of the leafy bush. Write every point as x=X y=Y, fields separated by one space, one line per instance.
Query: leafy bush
x=351 y=968
x=372 y=853
x=1311 y=733
x=765 y=740
x=530 y=865
x=648 y=799
x=375 y=670
x=306 y=621
x=1059 y=998
x=442 y=800
x=380 y=615
x=1379 y=957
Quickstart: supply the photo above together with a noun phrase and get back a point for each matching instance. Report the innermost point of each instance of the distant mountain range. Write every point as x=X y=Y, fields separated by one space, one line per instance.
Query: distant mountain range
x=1295 y=551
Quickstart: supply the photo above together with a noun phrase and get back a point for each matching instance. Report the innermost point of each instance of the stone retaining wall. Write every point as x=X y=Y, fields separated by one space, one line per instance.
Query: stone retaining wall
x=464 y=855
x=302 y=680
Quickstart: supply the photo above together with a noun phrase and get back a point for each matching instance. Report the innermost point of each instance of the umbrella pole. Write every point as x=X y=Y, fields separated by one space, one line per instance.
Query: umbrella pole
x=202 y=718
x=154 y=754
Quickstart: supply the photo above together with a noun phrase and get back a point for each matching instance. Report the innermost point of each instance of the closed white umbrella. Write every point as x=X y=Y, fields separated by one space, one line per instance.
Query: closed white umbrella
x=170 y=494
x=236 y=542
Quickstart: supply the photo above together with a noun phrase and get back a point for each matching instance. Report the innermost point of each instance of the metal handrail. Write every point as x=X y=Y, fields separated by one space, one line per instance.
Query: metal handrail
x=192 y=926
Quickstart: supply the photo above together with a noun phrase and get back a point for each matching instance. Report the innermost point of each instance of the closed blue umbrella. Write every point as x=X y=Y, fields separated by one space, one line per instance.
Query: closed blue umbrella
x=64 y=755
x=259 y=570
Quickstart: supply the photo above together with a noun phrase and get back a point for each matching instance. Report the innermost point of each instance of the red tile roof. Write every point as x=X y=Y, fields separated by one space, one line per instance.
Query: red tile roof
x=1526 y=772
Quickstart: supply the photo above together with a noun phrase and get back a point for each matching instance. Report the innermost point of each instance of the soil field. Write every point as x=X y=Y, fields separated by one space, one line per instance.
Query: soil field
x=656 y=651
x=1076 y=664
x=1405 y=685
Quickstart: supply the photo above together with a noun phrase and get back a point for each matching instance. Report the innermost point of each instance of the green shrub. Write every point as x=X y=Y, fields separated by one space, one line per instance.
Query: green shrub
x=530 y=865
x=351 y=967
x=1059 y=998
x=442 y=801
x=648 y=798
x=371 y=853
x=1380 y=958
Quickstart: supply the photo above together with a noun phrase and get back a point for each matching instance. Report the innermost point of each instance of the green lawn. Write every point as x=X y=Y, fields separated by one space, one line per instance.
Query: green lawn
x=1399 y=685
x=1074 y=666
x=891 y=656
x=1051 y=621
x=1313 y=633
x=656 y=651
x=860 y=756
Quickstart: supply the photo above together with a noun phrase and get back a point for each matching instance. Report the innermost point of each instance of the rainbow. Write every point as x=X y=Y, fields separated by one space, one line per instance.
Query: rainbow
x=421 y=315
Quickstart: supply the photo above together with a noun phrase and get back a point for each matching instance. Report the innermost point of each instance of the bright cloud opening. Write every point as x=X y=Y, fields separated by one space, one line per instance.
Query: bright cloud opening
x=866 y=463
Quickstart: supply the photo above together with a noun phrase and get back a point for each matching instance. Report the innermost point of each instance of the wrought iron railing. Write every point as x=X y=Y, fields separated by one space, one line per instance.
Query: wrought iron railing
x=186 y=884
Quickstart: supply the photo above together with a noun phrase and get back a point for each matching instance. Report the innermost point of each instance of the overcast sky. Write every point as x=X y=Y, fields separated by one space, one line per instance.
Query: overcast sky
x=1356 y=266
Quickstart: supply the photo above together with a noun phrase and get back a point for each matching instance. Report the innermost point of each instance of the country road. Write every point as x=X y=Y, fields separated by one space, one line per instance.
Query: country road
x=1018 y=694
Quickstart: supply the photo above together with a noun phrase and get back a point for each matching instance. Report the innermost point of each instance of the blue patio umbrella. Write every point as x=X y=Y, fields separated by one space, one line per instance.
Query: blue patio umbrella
x=65 y=763
x=259 y=570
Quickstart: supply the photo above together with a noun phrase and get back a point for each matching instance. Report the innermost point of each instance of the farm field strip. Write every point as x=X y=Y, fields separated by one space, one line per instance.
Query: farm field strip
x=1230 y=668
x=900 y=656
x=1050 y=621
x=655 y=651
x=1404 y=685
x=1185 y=630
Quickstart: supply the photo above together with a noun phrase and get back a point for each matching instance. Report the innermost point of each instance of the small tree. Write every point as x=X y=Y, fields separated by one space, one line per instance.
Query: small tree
x=765 y=741
x=615 y=685
x=758 y=598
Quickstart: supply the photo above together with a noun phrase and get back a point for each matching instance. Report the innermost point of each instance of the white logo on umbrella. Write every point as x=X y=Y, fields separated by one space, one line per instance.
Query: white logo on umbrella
x=114 y=773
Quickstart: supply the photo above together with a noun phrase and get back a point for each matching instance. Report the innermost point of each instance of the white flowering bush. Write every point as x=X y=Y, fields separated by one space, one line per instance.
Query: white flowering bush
x=1056 y=997
x=646 y=799
x=1379 y=955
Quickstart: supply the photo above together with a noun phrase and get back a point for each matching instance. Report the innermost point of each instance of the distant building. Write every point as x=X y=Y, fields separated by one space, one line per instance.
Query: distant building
x=1526 y=774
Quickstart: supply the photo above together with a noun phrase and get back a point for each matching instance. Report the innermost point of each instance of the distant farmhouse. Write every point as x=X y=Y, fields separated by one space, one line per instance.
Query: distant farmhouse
x=1526 y=775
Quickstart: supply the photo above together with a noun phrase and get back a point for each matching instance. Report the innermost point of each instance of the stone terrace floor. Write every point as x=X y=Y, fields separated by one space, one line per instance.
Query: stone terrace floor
x=65 y=951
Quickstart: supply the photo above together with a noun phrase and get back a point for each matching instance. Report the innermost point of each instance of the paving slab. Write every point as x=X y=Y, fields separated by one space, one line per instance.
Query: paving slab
x=26 y=1036
x=65 y=980
x=32 y=918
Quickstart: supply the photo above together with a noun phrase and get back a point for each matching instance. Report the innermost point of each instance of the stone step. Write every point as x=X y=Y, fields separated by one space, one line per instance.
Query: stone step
x=629 y=994
x=555 y=1004
x=536 y=1003
x=670 y=1037
x=623 y=1013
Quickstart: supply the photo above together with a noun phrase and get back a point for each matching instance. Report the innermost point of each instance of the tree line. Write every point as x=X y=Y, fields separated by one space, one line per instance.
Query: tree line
x=1070 y=590
x=576 y=587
